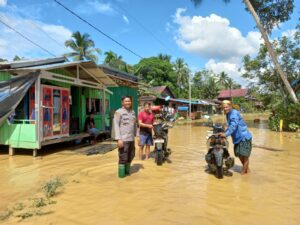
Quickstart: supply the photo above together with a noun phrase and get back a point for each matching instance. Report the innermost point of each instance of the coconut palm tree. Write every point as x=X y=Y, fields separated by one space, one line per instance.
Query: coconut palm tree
x=83 y=47
x=164 y=57
x=264 y=34
x=182 y=73
x=114 y=60
x=223 y=79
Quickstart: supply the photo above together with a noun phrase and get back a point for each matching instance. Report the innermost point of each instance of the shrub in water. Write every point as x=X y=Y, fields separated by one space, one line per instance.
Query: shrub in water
x=51 y=186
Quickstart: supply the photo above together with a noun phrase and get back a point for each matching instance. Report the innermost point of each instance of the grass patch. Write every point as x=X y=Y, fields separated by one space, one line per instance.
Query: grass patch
x=41 y=213
x=5 y=214
x=39 y=202
x=51 y=186
x=24 y=215
x=19 y=207
x=33 y=207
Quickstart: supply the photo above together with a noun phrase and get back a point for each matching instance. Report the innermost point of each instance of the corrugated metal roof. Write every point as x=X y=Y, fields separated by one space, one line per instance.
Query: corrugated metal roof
x=30 y=62
x=119 y=74
x=90 y=66
x=233 y=93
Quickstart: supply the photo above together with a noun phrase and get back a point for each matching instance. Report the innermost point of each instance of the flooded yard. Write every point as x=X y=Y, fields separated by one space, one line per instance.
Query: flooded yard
x=179 y=192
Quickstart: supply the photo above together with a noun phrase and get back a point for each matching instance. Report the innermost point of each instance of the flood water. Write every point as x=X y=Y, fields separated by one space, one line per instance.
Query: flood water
x=179 y=192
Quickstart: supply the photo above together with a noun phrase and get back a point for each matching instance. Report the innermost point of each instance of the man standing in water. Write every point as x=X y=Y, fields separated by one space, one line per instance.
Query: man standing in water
x=146 y=120
x=241 y=137
x=125 y=128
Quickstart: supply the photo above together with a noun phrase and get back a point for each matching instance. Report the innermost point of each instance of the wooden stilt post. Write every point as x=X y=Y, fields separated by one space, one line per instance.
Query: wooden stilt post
x=104 y=110
x=11 y=151
x=34 y=152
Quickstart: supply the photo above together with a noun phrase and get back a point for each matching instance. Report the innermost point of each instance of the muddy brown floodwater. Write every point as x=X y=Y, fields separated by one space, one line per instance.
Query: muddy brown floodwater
x=179 y=192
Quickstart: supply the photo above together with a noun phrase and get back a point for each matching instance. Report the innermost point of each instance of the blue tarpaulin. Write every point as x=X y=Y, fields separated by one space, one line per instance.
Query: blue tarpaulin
x=183 y=108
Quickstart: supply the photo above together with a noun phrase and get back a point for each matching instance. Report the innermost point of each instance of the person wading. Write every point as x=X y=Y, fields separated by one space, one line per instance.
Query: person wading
x=241 y=137
x=125 y=130
x=146 y=120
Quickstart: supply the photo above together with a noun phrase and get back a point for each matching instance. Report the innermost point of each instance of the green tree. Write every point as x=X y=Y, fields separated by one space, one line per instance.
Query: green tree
x=114 y=60
x=182 y=73
x=83 y=47
x=266 y=77
x=204 y=85
x=3 y=60
x=18 y=58
x=267 y=14
x=210 y=89
x=164 y=57
x=157 y=72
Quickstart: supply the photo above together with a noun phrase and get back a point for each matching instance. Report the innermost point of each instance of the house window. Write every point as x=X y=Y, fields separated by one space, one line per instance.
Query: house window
x=94 y=105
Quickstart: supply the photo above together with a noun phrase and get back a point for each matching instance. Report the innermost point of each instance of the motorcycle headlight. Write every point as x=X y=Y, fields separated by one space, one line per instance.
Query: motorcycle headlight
x=159 y=146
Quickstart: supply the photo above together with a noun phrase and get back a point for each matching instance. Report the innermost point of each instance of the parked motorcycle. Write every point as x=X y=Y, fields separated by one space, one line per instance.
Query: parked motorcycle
x=218 y=154
x=160 y=128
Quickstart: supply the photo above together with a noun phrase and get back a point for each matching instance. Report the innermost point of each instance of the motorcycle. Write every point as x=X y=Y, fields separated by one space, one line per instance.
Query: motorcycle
x=218 y=153
x=161 y=137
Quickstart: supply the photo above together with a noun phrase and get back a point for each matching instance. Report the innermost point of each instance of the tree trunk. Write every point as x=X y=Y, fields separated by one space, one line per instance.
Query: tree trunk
x=271 y=52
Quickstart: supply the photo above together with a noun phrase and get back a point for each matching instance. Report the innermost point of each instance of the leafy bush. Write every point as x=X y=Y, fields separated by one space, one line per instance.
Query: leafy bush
x=39 y=202
x=274 y=122
x=290 y=114
x=294 y=127
x=51 y=186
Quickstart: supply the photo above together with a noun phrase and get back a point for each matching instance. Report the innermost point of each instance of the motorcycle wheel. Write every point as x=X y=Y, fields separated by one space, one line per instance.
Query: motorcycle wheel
x=219 y=172
x=159 y=158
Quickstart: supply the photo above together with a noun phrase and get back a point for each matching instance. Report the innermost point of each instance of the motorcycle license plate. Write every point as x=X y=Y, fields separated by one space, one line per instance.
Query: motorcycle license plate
x=159 y=141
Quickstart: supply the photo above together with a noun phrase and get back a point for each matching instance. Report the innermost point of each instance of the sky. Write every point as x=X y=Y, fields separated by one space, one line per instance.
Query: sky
x=213 y=36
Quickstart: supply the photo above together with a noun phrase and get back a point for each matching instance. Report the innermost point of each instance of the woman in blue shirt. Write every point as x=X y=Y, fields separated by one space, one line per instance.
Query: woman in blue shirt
x=241 y=137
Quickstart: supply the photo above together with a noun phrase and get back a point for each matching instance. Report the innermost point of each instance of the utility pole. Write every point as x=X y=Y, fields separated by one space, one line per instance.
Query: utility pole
x=190 y=97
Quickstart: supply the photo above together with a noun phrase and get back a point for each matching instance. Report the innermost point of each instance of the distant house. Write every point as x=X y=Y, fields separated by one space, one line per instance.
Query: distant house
x=156 y=95
x=233 y=93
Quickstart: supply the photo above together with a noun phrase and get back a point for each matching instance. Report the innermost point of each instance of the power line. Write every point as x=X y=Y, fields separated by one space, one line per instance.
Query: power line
x=38 y=27
x=32 y=42
x=97 y=29
x=144 y=27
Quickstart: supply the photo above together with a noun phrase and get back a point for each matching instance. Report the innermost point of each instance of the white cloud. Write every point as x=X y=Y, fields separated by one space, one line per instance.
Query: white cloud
x=169 y=27
x=3 y=3
x=289 y=33
x=95 y=6
x=125 y=19
x=102 y=7
x=213 y=37
x=232 y=69
x=12 y=44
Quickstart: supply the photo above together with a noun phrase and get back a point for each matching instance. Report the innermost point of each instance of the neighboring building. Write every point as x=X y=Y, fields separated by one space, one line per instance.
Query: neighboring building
x=157 y=95
x=233 y=93
x=51 y=99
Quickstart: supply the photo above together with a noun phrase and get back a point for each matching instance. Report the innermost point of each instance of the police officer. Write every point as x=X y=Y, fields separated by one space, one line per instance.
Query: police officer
x=125 y=129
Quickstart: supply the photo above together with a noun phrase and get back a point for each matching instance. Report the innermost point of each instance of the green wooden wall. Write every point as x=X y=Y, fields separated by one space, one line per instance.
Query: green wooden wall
x=4 y=76
x=78 y=108
x=119 y=92
x=18 y=135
